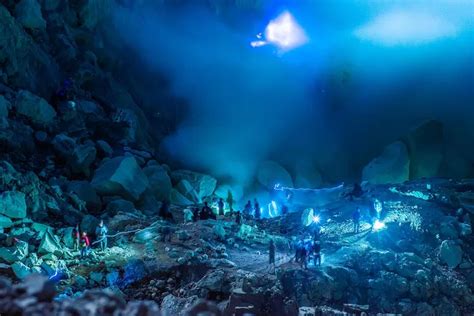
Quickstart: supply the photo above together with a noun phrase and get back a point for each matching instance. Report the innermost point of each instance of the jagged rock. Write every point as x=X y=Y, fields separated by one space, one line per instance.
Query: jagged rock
x=425 y=148
x=27 y=65
x=86 y=192
x=13 y=204
x=392 y=166
x=5 y=222
x=159 y=182
x=179 y=199
x=49 y=244
x=64 y=145
x=120 y=176
x=21 y=271
x=35 y=108
x=187 y=190
x=450 y=253
x=28 y=13
x=51 y=5
x=104 y=148
x=82 y=157
x=92 y=12
x=16 y=136
x=449 y=228
x=16 y=253
x=203 y=184
x=4 y=106
x=97 y=277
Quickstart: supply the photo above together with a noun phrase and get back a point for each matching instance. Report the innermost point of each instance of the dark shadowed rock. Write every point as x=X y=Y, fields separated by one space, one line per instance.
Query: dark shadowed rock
x=35 y=108
x=28 y=13
x=13 y=204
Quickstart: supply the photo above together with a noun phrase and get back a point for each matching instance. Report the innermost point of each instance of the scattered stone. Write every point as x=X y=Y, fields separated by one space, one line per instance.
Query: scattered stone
x=35 y=108
x=392 y=166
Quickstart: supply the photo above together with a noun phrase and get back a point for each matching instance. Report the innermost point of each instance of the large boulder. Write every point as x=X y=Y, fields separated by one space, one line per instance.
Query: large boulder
x=120 y=176
x=86 y=192
x=392 y=166
x=159 y=181
x=49 y=244
x=20 y=270
x=271 y=173
x=425 y=148
x=179 y=199
x=82 y=157
x=35 y=108
x=24 y=63
x=187 y=190
x=204 y=185
x=28 y=13
x=450 y=253
x=13 y=204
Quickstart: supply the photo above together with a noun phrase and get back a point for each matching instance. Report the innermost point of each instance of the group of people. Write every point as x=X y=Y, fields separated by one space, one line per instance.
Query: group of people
x=375 y=213
x=305 y=250
x=82 y=241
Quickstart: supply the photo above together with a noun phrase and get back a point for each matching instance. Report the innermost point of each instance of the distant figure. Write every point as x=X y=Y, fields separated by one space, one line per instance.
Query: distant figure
x=284 y=210
x=166 y=234
x=76 y=234
x=356 y=220
x=206 y=212
x=195 y=214
x=378 y=208
x=317 y=253
x=188 y=215
x=271 y=255
x=164 y=211
x=101 y=233
x=220 y=205
x=230 y=200
x=304 y=257
x=238 y=218
x=298 y=247
x=85 y=246
x=256 y=207
x=248 y=209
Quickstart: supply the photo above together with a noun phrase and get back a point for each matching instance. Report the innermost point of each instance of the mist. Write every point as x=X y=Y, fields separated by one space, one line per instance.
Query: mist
x=370 y=71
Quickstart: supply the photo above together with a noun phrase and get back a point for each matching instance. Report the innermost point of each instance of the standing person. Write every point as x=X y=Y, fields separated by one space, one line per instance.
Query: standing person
x=271 y=255
x=248 y=209
x=356 y=220
x=220 y=206
x=76 y=234
x=304 y=257
x=256 y=207
x=164 y=211
x=195 y=213
x=230 y=200
x=206 y=212
x=85 y=246
x=284 y=210
x=101 y=233
x=317 y=253
x=378 y=208
x=238 y=218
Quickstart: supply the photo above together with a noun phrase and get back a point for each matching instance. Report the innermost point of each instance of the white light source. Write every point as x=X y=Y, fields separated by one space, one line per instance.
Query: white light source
x=378 y=225
x=316 y=219
x=285 y=32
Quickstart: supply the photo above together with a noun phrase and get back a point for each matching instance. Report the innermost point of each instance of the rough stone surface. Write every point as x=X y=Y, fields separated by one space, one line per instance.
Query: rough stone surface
x=392 y=166
x=159 y=182
x=13 y=204
x=120 y=176
x=35 y=108
x=450 y=253
x=203 y=184
x=28 y=13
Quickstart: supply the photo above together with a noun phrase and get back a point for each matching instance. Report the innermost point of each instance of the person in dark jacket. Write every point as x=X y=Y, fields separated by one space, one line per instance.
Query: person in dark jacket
x=317 y=253
x=220 y=206
x=271 y=255
x=257 y=214
x=76 y=234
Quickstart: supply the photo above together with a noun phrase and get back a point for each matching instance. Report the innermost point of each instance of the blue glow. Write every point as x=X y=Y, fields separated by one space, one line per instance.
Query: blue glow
x=272 y=209
x=316 y=219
